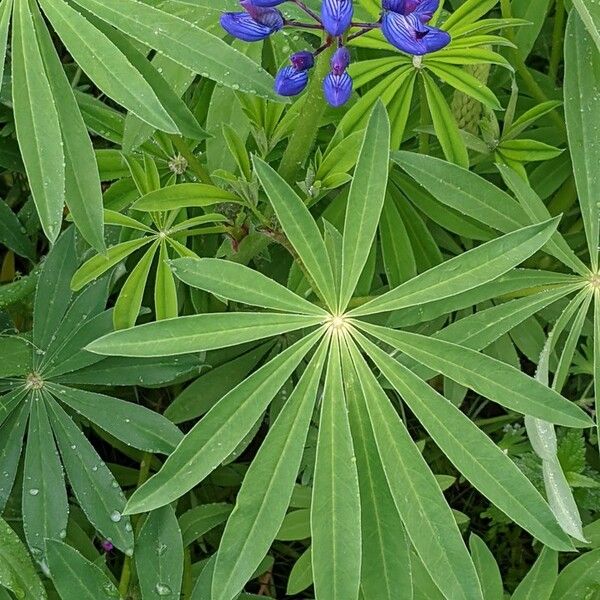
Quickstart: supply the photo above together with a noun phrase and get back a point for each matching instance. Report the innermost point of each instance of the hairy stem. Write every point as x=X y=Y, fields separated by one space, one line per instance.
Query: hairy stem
x=308 y=121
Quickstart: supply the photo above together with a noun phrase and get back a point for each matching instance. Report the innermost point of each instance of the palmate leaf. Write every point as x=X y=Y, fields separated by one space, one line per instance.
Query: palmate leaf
x=267 y=488
x=492 y=378
x=185 y=43
x=462 y=273
x=472 y=452
x=428 y=520
x=365 y=202
x=197 y=333
x=335 y=507
x=12 y=433
x=218 y=434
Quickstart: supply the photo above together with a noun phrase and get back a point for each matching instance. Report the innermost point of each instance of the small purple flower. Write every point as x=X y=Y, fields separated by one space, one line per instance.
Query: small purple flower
x=340 y=60
x=256 y=24
x=404 y=25
x=290 y=81
x=337 y=16
x=337 y=88
x=107 y=546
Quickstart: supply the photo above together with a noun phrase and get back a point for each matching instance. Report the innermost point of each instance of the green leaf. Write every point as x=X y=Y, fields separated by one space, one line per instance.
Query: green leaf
x=365 y=202
x=5 y=17
x=539 y=581
x=464 y=272
x=301 y=230
x=16 y=570
x=12 y=232
x=267 y=487
x=590 y=16
x=201 y=395
x=159 y=555
x=197 y=521
x=83 y=194
x=464 y=191
x=93 y=484
x=186 y=44
x=579 y=578
x=133 y=424
x=444 y=124
x=301 y=574
x=487 y=569
x=385 y=565
x=582 y=107
x=38 y=132
x=217 y=435
x=129 y=302
x=99 y=264
x=335 y=506
x=183 y=195
x=537 y=212
x=75 y=577
x=428 y=520
x=165 y=289
x=241 y=284
x=472 y=452
x=491 y=378
x=12 y=432
x=44 y=499
x=197 y=333
x=15 y=358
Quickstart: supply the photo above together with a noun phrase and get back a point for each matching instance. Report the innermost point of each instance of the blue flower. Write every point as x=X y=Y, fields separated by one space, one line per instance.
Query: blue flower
x=267 y=2
x=337 y=16
x=404 y=25
x=256 y=24
x=337 y=88
x=340 y=60
x=290 y=81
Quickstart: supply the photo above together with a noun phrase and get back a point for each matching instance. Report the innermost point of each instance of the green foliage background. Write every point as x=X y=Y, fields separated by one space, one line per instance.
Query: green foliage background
x=253 y=347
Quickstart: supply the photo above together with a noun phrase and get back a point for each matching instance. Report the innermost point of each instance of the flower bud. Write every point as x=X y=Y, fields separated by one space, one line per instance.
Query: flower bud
x=290 y=81
x=253 y=25
x=337 y=88
x=303 y=60
x=267 y=2
x=337 y=16
x=340 y=60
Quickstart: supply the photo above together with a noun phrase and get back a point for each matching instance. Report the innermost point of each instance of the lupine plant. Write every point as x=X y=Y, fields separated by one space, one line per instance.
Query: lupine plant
x=299 y=299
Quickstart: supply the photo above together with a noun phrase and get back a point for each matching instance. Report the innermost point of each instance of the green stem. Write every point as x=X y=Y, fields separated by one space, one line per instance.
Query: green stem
x=126 y=571
x=195 y=165
x=557 y=40
x=424 y=119
x=307 y=122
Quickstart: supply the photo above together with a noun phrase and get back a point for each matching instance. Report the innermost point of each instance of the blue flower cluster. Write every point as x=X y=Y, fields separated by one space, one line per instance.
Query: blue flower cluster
x=404 y=23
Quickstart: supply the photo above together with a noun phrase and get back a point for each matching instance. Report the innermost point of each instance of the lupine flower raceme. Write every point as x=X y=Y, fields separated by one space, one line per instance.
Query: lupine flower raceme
x=403 y=23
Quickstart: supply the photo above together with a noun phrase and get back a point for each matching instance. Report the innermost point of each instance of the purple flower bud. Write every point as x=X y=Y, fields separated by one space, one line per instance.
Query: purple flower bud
x=107 y=545
x=290 y=81
x=254 y=25
x=337 y=88
x=340 y=60
x=337 y=16
x=303 y=60
x=411 y=35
